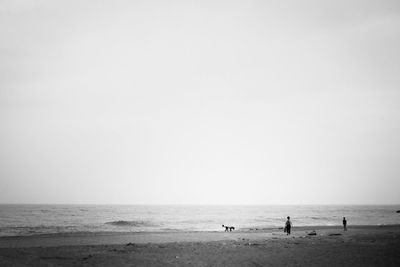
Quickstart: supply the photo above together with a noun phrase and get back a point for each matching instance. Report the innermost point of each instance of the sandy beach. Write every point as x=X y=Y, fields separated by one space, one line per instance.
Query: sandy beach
x=331 y=246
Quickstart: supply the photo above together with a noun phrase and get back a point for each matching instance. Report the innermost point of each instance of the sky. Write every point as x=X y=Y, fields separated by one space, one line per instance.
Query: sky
x=200 y=102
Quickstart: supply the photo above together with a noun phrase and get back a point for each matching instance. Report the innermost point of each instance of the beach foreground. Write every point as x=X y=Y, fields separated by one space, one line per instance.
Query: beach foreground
x=359 y=246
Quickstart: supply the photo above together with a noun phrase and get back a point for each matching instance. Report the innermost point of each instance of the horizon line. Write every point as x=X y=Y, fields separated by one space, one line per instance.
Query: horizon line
x=203 y=204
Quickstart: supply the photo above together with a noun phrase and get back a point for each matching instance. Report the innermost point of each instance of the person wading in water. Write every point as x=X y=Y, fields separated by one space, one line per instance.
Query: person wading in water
x=288 y=226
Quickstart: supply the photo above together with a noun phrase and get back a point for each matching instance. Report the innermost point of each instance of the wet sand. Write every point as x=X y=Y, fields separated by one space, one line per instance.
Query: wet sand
x=359 y=246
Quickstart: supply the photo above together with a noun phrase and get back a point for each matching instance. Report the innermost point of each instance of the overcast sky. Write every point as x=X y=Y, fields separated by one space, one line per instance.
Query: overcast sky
x=200 y=102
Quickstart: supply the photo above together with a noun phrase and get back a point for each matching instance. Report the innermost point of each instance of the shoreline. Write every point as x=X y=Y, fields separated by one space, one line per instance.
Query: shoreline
x=238 y=230
x=115 y=238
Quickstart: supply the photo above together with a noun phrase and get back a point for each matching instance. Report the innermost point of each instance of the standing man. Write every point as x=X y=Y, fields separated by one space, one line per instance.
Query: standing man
x=344 y=224
x=288 y=226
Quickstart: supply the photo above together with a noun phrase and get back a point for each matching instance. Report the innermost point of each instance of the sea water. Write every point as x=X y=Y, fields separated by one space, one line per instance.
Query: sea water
x=21 y=220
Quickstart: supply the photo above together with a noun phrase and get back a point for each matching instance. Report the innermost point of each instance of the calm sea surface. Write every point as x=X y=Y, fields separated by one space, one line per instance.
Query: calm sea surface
x=19 y=220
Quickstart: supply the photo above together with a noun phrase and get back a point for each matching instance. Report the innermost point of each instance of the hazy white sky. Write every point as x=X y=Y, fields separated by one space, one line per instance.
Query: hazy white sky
x=200 y=102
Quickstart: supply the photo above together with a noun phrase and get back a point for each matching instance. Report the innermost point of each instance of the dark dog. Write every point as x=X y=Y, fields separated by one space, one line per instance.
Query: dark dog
x=230 y=228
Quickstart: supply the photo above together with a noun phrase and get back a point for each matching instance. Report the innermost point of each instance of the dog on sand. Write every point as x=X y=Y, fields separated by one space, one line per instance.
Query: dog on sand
x=230 y=228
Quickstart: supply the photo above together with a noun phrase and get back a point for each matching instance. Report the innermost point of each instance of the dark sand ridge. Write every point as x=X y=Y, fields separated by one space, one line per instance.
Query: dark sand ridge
x=359 y=246
x=101 y=238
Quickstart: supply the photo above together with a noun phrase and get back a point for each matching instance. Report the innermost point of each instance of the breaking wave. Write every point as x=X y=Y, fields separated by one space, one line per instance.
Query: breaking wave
x=131 y=223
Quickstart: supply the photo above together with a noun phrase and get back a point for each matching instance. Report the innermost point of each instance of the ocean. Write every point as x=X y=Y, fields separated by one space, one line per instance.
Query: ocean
x=23 y=220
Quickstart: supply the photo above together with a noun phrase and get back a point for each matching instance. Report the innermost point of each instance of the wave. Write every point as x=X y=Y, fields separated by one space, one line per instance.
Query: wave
x=131 y=223
x=34 y=230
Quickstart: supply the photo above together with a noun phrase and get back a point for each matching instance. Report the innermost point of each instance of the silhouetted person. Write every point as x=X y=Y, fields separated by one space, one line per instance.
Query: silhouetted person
x=344 y=224
x=288 y=226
